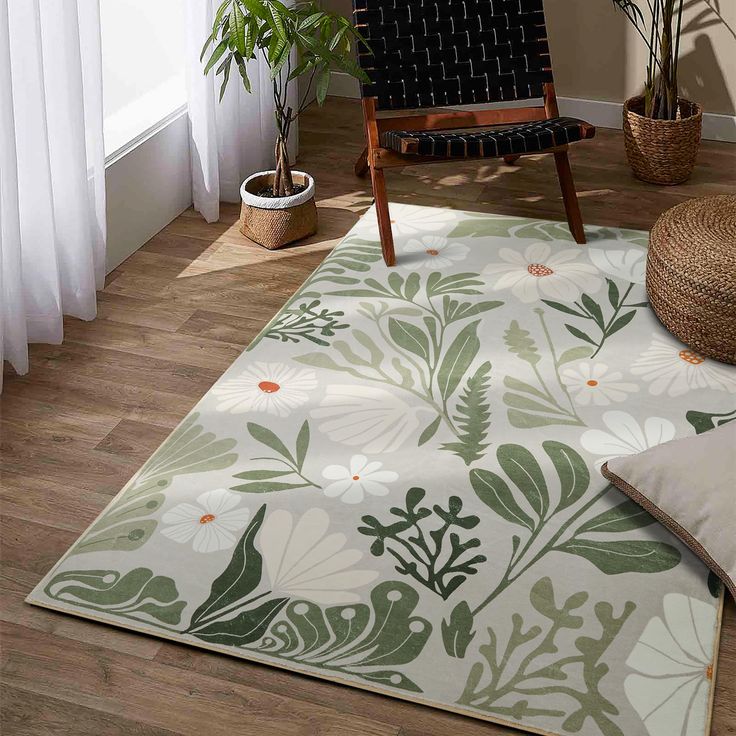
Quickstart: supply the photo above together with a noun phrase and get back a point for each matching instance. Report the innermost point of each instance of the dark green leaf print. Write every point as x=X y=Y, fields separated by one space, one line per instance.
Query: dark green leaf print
x=617 y=557
x=230 y=590
x=125 y=526
x=247 y=626
x=366 y=641
x=572 y=471
x=308 y=321
x=457 y=633
x=139 y=594
x=433 y=555
x=457 y=359
x=529 y=676
x=261 y=480
x=622 y=518
x=523 y=470
x=472 y=417
x=702 y=421
x=496 y=494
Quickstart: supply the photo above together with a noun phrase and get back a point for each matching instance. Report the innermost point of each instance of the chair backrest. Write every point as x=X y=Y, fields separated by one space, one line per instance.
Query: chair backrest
x=434 y=53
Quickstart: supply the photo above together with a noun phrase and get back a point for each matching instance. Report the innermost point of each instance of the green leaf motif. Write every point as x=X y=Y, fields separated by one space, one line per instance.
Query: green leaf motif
x=703 y=421
x=622 y=518
x=472 y=417
x=124 y=526
x=435 y=557
x=617 y=557
x=535 y=671
x=496 y=494
x=366 y=641
x=457 y=633
x=572 y=471
x=520 y=342
x=410 y=337
x=457 y=359
x=247 y=626
x=581 y=352
x=523 y=470
x=240 y=578
x=138 y=594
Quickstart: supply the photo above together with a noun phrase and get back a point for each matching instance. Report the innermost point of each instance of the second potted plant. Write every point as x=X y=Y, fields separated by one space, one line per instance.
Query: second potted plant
x=295 y=41
x=661 y=129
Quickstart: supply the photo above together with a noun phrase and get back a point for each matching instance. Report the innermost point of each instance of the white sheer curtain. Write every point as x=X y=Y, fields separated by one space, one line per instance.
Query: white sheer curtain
x=230 y=139
x=52 y=196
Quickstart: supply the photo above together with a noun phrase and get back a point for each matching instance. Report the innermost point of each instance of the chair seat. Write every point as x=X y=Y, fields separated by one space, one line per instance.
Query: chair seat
x=525 y=138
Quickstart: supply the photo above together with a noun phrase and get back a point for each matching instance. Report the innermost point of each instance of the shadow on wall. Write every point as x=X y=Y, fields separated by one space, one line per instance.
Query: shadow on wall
x=698 y=69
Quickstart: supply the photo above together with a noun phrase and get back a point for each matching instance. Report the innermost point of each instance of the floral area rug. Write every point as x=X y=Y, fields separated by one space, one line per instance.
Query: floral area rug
x=397 y=487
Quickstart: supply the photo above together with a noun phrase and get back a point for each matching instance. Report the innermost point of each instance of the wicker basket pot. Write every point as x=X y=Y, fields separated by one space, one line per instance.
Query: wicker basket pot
x=662 y=151
x=276 y=221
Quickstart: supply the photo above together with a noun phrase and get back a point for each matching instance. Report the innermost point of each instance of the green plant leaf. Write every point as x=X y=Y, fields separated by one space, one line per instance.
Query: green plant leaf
x=616 y=557
x=261 y=474
x=581 y=352
x=495 y=493
x=523 y=470
x=622 y=518
x=248 y=626
x=138 y=594
x=323 y=84
x=621 y=322
x=702 y=421
x=220 y=49
x=360 y=640
x=457 y=633
x=429 y=431
x=240 y=578
x=520 y=342
x=237 y=24
x=580 y=334
x=572 y=471
x=457 y=359
x=522 y=420
x=564 y=308
x=266 y=487
x=516 y=385
x=613 y=294
x=302 y=444
x=266 y=437
x=410 y=337
x=594 y=310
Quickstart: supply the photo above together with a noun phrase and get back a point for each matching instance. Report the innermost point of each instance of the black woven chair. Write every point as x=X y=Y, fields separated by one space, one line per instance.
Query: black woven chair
x=451 y=53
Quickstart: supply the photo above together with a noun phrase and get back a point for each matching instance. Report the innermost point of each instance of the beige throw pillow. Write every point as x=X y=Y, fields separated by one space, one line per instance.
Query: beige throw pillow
x=689 y=485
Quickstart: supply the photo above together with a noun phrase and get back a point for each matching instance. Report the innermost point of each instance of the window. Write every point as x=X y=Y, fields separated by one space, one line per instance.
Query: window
x=143 y=62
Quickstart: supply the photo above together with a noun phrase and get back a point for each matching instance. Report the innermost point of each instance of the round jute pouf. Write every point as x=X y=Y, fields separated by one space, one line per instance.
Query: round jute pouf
x=691 y=274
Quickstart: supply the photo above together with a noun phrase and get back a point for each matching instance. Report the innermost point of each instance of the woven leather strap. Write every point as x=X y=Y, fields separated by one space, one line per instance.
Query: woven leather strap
x=432 y=53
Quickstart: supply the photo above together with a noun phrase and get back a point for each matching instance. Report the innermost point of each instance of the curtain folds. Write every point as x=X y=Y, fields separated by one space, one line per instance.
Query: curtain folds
x=230 y=139
x=52 y=168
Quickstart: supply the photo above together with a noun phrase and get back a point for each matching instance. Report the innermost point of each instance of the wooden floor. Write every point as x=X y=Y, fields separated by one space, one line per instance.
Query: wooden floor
x=171 y=319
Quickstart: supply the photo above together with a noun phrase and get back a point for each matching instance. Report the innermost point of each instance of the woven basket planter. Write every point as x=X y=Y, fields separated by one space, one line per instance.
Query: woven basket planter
x=275 y=221
x=691 y=276
x=662 y=151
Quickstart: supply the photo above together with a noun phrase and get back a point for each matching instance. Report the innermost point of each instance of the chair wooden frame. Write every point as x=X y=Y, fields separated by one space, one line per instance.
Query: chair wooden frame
x=376 y=158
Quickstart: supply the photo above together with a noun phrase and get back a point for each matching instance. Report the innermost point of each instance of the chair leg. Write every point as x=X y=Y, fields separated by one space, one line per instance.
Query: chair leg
x=511 y=158
x=384 y=219
x=569 y=197
x=361 y=165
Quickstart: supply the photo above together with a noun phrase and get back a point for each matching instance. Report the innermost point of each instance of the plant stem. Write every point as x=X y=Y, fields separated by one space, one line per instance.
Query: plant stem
x=621 y=304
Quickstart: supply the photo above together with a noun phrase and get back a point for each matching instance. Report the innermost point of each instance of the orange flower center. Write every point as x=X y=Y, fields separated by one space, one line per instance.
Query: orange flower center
x=592 y=382
x=690 y=356
x=356 y=477
x=432 y=252
x=269 y=387
x=709 y=671
x=539 y=270
x=206 y=519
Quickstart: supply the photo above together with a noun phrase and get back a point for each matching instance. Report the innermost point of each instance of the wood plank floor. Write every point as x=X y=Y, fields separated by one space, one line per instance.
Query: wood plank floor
x=171 y=319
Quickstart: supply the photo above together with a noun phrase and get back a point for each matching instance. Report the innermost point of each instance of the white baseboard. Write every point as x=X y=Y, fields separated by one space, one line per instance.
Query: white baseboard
x=148 y=184
x=600 y=113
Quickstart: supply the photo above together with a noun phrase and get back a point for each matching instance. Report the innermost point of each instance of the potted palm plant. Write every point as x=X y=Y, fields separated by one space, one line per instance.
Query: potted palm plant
x=661 y=129
x=295 y=40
